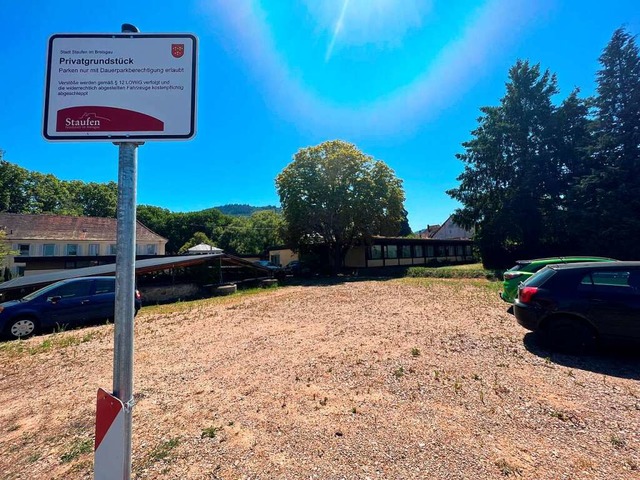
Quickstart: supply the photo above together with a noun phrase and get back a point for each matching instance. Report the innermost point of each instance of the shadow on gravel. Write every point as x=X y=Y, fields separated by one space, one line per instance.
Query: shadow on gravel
x=612 y=361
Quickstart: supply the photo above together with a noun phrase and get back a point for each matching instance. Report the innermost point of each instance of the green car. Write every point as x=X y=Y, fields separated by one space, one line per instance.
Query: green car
x=526 y=268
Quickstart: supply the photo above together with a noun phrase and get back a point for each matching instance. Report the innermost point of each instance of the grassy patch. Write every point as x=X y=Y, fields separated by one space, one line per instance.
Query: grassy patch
x=617 y=441
x=78 y=447
x=456 y=271
x=507 y=469
x=182 y=306
x=34 y=457
x=210 y=432
x=163 y=450
x=559 y=415
x=18 y=348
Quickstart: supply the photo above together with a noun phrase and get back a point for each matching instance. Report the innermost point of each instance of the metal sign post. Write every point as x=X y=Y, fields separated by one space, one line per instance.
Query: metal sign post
x=125 y=289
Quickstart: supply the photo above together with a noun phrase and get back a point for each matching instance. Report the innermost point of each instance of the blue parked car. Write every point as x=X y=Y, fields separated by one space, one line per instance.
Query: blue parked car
x=65 y=303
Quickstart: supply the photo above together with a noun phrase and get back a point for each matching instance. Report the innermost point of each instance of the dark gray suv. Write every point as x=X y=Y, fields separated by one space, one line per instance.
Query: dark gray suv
x=577 y=306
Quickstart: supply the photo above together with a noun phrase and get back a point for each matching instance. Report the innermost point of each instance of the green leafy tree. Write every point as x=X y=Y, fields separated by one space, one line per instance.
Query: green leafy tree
x=511 y=188
x=253 y=235
x=197 y=239
x=14 y=191
x=5 y=250
x=242 y=210
x=572 y=144
x=336 y=195
x=608 y=194
x=47 y=194
x=180 y=227
x=98 y=199
x=156 y=218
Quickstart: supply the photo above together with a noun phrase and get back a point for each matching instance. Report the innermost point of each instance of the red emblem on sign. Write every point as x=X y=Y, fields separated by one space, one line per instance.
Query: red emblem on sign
x=177 y=49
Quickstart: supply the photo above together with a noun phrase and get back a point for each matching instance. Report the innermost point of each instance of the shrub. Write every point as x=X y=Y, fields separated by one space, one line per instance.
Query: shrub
x=451 y=272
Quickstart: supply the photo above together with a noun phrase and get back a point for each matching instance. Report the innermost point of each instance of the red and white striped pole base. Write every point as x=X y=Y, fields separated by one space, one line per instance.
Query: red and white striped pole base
x=109 y=447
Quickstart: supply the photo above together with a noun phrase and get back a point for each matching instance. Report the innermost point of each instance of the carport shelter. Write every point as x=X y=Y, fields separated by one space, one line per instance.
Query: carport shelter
x=210 y=270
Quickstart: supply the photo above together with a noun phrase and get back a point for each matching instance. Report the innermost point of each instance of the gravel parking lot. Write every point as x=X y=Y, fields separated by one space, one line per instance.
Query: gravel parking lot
x=368 y=379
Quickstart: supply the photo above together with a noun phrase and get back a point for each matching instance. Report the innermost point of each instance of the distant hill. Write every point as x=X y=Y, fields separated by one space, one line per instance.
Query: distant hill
x=243 y=210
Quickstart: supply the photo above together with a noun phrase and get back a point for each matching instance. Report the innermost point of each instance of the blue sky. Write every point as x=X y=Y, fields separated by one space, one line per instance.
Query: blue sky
x=402 y=79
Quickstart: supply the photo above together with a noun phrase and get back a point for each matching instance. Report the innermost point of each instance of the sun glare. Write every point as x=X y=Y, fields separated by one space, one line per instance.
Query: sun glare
x=336 y=30
x=346 y=26
x=360 y=22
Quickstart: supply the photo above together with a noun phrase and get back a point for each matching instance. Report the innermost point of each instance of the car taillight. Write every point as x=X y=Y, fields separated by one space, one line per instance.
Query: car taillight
x=525 y=294
x=511 y=275
x=137 y=295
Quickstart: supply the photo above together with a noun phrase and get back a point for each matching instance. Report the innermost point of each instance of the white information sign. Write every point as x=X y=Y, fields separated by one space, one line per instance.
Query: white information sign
x=120 y=87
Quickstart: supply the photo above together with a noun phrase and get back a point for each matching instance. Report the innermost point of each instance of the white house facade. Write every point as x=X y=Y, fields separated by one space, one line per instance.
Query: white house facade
x=82 y=240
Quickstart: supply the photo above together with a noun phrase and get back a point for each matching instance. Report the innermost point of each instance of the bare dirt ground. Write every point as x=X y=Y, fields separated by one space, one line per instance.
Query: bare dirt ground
x=395 y=379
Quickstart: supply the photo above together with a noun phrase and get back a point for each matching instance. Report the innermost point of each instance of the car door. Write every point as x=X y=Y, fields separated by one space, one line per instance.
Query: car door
x=67 y=304
x=614 y=304
x=103 y=299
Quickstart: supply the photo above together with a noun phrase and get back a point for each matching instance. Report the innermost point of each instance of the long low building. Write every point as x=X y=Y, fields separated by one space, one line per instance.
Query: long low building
x=394 y=252
x=401 y=251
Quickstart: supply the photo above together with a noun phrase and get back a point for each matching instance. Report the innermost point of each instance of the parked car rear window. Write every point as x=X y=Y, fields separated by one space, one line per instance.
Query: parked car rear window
x=540 y=278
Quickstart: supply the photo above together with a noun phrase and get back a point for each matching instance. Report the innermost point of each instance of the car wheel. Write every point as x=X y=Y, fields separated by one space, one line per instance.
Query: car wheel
x=21 y=328
x=569 y=335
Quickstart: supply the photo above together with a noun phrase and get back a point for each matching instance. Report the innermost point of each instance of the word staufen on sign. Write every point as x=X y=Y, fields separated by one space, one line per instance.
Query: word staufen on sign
x=120 y=87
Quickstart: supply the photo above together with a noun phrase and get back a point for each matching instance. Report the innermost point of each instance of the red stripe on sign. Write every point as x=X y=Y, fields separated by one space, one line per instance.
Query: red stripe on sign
x=107 y=409
x=93 y=118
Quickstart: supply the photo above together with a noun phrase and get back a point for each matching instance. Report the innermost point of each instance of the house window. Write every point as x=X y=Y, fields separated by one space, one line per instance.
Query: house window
x=418 y=251
x=48 y=250
x=23 y=248
x=94 y=249
x=375 y=252
x=430 y=252
x=151 y=249
x=459 y=250
x=72 y=249
x=441 y=251
x=112 y=249
x=275 y=259
x=391 y=251
x=405 y=251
